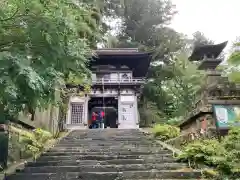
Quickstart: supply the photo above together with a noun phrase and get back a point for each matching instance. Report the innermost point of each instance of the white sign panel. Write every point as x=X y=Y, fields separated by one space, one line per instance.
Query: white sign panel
x=127 y=118
x=127 y=98
x=222 y=115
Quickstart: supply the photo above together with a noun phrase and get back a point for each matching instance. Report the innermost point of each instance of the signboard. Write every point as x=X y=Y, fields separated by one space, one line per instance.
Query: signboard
x=127 y=98
x=227 y=115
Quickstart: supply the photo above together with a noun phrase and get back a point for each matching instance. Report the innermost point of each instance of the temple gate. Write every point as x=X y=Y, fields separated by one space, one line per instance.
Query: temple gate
x=117 y=78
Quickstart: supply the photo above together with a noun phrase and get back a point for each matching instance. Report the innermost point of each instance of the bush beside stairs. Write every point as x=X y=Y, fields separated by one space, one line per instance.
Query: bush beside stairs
x=111 y=154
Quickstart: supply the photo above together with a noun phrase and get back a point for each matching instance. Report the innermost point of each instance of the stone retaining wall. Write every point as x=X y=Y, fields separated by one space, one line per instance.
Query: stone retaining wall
x=185 y=138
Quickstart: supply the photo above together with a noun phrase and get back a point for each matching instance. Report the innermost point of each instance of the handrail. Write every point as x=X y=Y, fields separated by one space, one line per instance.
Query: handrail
x=112 y=80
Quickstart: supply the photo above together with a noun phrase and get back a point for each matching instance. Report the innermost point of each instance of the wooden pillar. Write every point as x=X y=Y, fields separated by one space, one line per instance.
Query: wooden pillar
x=136 y=117
x=86 y=111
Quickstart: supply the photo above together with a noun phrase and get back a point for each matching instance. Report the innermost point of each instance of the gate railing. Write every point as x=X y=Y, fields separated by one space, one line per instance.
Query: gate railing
x=119 y=81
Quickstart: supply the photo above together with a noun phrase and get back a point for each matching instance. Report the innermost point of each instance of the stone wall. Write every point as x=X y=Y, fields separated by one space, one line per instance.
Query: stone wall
x=189 y=127
x=181 y=141
x=47 y=118
x=203 y=122
x=44 y=118
x=200 y=128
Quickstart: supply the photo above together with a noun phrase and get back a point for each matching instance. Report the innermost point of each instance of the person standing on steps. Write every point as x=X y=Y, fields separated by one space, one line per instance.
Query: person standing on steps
x=99 y=119
x=102 y=114
x=94 y=120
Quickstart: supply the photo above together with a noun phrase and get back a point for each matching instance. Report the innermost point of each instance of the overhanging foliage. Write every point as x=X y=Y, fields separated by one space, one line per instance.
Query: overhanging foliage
x=41 y=43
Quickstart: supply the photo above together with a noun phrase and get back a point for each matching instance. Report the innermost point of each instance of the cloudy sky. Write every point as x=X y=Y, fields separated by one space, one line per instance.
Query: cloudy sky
x=219 y=20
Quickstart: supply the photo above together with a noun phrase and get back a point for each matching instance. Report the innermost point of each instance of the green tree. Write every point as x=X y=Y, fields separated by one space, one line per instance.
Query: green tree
x=234 y=63
x=200 y=39
x=144 y=25
x=41 y=43
x=185 y=84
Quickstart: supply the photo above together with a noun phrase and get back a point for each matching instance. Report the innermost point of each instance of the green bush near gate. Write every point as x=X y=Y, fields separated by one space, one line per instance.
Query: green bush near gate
x=224 y=155
x=165 y=131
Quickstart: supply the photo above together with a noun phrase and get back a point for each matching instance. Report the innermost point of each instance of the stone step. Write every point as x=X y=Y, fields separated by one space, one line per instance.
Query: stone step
x=104 y=146
x=108 y=139
x=107 y=144
x=119 y=148
x=123 y=132
x=111 y=149
x=161 y=174
x=95 y=146
x=86 y=139
x=135 y=149
x=103 y=168
x=114 y=153
x=94 y=162
x=105 y=139
x=104 y=157
x=105 y=135
x=165 y=179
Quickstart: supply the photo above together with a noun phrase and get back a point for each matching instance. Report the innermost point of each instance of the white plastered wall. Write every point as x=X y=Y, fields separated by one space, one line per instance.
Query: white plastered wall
x=123 y=100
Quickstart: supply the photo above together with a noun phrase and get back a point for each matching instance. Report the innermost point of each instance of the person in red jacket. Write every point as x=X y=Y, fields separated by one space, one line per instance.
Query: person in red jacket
x=94 y=120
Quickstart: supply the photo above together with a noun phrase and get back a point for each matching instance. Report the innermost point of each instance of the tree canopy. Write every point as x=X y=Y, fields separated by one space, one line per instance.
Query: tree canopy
x=234 y=62
x=41 y=43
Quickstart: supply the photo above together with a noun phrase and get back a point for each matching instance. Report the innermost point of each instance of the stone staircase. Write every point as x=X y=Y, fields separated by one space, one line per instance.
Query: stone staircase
x=110 y=154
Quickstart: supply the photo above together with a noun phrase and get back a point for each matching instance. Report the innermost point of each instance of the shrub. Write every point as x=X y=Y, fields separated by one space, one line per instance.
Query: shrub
x=165 y=132
x=224 y=156
x=232 y=145
x=33 y=142
x=201 y=151
x=37 y=143
x=42 y=135
x=174 y=121
x=232 y=140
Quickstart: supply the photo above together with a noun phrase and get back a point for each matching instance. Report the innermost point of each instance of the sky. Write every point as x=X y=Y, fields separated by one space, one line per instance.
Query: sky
x=219 y=20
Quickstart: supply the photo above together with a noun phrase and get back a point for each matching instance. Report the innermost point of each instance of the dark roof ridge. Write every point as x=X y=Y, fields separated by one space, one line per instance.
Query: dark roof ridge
x=209 y=51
